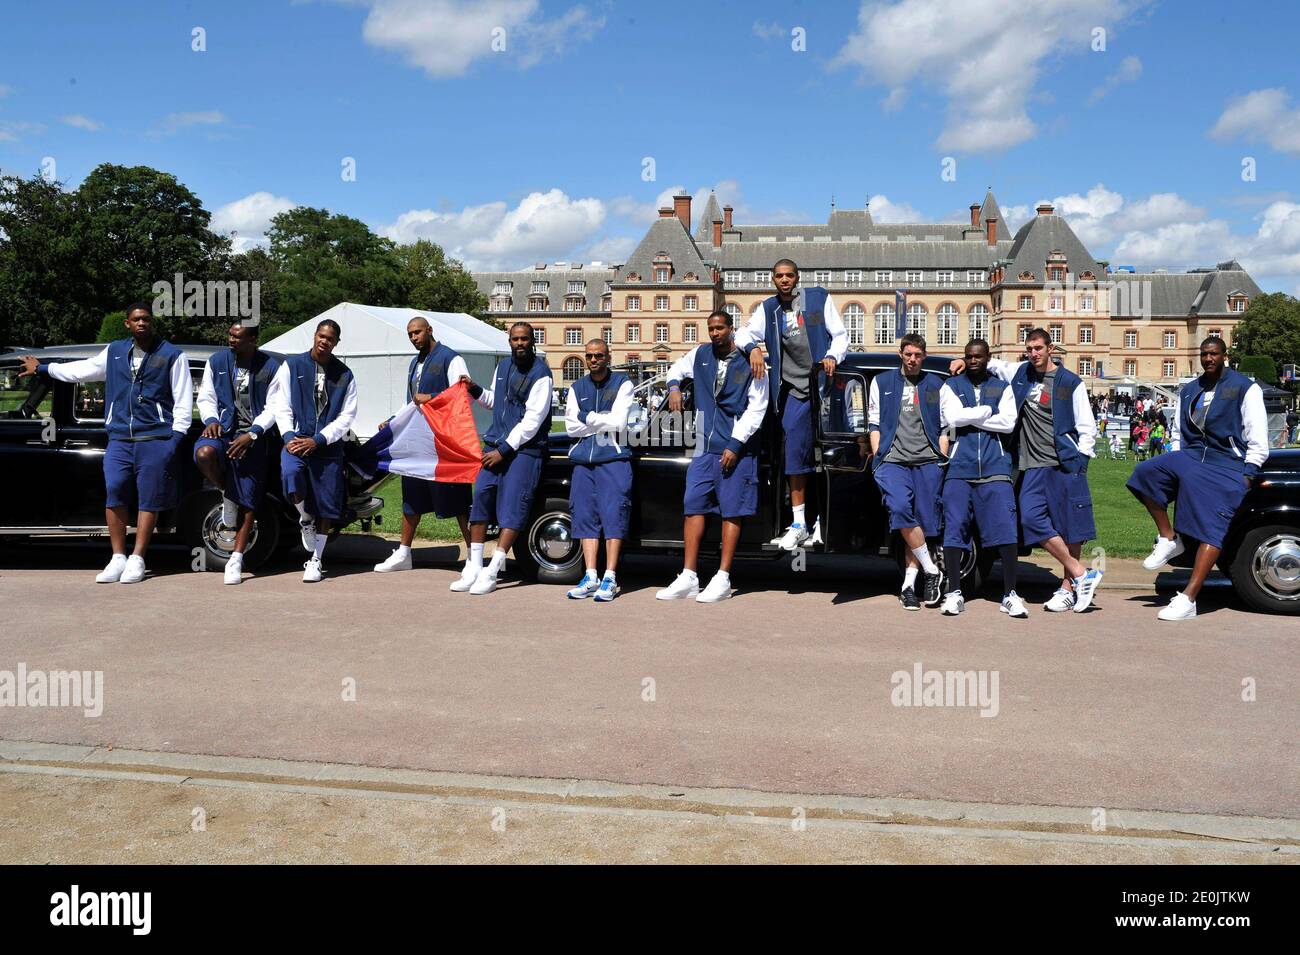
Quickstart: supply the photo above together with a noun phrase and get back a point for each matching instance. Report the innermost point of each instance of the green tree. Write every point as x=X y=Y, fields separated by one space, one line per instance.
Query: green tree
x=1271 y=327
x=1259 y=367
x=437 y=283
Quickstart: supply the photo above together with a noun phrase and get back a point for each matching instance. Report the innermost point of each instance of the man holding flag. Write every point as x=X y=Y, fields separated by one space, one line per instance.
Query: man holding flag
x=520 y=399
x=432 y=370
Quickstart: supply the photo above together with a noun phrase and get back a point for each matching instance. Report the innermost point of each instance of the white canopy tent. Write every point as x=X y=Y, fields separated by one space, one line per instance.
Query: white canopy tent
x=374 y=345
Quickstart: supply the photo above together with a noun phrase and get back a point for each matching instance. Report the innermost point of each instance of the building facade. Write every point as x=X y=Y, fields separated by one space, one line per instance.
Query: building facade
x=962 y=281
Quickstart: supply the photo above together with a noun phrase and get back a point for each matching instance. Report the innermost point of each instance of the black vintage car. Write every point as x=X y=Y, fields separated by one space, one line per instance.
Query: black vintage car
x=1261 y=554
x=52 y=442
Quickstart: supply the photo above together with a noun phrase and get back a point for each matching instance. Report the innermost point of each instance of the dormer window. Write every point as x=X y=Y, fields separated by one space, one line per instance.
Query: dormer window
x=1237 y=303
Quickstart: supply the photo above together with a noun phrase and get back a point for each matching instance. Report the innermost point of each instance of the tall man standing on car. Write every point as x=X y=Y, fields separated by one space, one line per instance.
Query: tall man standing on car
x=1218 y=440
x=148 y=408
x=231 y=453
x=907 y=445
x=802 y=332
x=434 y=368
x=515 y=446
x=314 y=400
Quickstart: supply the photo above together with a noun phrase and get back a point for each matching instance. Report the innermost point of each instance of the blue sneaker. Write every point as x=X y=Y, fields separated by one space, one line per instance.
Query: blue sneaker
x=1084 y=589
x=608 y=590
x=586 y=587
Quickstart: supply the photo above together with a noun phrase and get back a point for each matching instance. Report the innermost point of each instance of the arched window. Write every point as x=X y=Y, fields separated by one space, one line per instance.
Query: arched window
x=572 y=369
x=979 y=321
x=732 y=309
x=947 y=332
x=916 y=316
x=855 y=317
x=884 y=324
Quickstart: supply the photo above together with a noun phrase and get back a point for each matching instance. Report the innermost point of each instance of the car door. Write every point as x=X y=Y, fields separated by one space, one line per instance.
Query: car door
x=662 y=448
x=853 y=512
x=28 y=450
x=81 y=446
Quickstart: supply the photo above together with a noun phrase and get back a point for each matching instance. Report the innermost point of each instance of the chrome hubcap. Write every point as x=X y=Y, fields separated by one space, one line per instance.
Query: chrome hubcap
x=1276 y=565
x=221 y=540
x=551 y=541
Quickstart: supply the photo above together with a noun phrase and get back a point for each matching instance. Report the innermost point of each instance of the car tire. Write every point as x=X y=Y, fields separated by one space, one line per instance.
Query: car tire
x=975 y=568
x=1266 y=568
x=546 y=550
x=201 y=517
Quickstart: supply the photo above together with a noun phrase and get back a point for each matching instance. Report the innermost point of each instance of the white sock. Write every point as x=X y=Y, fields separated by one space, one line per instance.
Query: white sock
x=475 y=557
x=237 y=555
x=498 y=561
x=799 y=513
x=922 y=555
x=691 y=574
x=321 y=541
x=403 y=551
x=909 y=577
x=116 y=556
x=724 y=576
x=609 y=575
x=590 y=572
x=303 y=516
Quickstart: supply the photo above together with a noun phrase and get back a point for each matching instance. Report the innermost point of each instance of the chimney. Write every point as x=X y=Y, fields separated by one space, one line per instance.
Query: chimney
x=682 y=207
x=991 y=231
x=726 y=218
x=717 y=233
x=974 y=215
x=1044 y=208
x=665 y=212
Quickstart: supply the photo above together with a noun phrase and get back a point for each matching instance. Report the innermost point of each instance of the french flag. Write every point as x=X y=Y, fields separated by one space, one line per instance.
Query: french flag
x=436 y=441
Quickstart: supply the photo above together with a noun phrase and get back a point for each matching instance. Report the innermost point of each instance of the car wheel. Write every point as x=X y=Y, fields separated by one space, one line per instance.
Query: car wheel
x=546 y=550
x=973 y=569
x=203 y=532
x=1266 y=568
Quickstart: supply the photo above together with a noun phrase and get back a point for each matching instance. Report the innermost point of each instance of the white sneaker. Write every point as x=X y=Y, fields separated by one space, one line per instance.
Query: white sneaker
x=1085 y=588
x=1180 y=608
x=1013 y=606
x=394 y=562
x=235 y=570
x=719 y=589
x=308 y=530
x=311 y=571
x=1060 y=602
x=686 y=585
x=953 y=604
x=486 y=582
x=1164 y=551
x=467 y=577
x=229 y=513
x=589 y=584
x=794 y=537
x=113 y=572
x=133 y=572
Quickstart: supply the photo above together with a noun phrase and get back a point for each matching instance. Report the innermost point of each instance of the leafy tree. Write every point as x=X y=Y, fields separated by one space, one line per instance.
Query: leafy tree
x=437 y=283
x=1259 y=367
x=1271 y=327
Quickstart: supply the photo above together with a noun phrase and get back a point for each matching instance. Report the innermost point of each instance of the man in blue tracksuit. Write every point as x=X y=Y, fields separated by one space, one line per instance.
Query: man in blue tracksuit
x=514 y=449
x=802 y=333
x=979 y=414
x=434 y=368
x=148 y=408
x=314 y=400
x=722 y=478
x=1219 y=438
x=907 y=445
x=231 y=454
x=600 y=496
x=1054 y=439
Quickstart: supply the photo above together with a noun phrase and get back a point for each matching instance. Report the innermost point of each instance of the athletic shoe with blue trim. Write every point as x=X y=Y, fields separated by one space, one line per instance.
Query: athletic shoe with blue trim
x=586 y=587
x=608 y=590
x=1084 y=589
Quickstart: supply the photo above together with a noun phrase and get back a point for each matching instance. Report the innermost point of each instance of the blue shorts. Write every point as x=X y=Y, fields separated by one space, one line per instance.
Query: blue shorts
x=991 y=506
x=434 y=497
x=709 y=491
x=245 y=478
x=320 y=482
x=504 y=495
x=1055 y=503
x=141 y=474
x=797 y=425
x=1205 y=496
x=911 y=494
x=601 y=500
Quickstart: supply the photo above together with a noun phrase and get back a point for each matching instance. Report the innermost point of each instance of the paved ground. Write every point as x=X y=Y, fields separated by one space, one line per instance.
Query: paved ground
x=778 y=690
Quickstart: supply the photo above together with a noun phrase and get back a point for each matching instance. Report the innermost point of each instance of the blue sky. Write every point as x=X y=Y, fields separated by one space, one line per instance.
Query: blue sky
x=536 y=151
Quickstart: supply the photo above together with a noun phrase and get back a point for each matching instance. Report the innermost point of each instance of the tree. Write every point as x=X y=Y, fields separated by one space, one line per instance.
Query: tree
x=1271 y=327
x=1259 y=367
x=437 y=283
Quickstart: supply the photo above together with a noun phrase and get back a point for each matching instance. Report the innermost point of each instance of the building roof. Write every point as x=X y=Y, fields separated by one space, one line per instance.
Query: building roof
x=558 y=276
x=893 y=254
x=989 y=208
x=1037 y=239
x=704 y=232
x=667 y=235
x=1199 y=293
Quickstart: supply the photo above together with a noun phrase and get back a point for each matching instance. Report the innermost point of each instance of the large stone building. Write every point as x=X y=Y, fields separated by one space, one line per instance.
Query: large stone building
x=961 y=281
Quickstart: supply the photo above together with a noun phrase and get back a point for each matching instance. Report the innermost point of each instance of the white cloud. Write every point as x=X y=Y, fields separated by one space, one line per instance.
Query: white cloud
x=13 y=130
x=768 y=31
x=1130 y=68
x=1261 y=116
x=543 y=226
x=249 y=218
x=78 y=121
x=1178 y=246
x=175 y=122
x=445 y=37
x=882 y=210
x=989 y=62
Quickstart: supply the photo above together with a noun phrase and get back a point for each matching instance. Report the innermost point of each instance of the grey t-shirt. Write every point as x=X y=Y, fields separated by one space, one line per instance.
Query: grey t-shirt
x=720 y=377
x=796 y=356
x=1037 y=439
x=910 y=445
x=322 y=396
x=243 y=400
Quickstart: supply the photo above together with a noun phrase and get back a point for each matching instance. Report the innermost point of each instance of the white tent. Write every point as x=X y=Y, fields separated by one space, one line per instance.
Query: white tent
x=374 y=345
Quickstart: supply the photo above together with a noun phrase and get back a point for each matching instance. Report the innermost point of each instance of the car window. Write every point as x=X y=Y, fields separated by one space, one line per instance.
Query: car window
x=844 y=405
x=30 y=397
x=88 y=401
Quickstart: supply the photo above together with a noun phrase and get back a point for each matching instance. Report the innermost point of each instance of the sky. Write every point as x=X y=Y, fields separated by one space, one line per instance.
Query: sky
x=518 y=131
